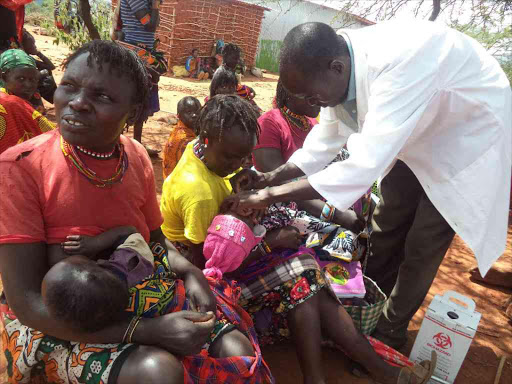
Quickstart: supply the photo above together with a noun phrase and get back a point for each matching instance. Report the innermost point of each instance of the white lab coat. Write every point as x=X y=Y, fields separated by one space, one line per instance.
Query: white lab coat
x=435 y=99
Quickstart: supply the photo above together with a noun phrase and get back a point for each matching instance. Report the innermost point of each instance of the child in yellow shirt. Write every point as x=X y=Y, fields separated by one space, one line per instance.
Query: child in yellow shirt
x=194 y=191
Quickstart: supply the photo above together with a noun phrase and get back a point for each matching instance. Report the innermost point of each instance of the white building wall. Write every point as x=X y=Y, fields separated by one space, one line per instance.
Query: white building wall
x=286 y=14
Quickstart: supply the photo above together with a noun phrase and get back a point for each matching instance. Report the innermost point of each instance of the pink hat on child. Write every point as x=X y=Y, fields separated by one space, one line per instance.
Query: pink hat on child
x=228 y=243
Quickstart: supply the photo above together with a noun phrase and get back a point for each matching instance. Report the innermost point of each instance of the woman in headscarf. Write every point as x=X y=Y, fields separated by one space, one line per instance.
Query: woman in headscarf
x=18 y=119
x=20 y=77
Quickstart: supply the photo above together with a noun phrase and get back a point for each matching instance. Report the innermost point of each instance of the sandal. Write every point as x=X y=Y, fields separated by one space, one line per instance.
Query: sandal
x=422 y=372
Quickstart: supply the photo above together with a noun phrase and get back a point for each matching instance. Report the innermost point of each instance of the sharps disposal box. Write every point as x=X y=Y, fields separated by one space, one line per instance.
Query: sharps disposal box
x=448 y=328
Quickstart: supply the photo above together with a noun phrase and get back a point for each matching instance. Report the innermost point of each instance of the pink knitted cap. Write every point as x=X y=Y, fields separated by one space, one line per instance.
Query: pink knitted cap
x=228 y=243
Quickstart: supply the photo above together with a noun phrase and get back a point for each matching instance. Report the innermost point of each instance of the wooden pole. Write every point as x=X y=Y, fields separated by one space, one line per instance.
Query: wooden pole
x=500 y=369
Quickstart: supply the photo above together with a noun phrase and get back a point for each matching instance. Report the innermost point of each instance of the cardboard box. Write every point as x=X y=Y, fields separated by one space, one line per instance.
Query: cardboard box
x=448 y=328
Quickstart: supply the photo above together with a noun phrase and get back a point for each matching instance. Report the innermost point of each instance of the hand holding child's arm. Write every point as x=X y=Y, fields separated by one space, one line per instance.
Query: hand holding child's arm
x=90 y=246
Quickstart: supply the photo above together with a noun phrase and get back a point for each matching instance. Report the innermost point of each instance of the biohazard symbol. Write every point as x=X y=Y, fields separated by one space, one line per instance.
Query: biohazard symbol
x=442 y=340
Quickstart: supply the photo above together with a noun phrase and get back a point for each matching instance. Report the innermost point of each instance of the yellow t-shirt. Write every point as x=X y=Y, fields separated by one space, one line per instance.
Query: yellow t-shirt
x=191 y=198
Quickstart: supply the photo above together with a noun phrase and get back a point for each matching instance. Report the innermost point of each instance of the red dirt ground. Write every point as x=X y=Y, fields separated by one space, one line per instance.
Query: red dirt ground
x=494 y=336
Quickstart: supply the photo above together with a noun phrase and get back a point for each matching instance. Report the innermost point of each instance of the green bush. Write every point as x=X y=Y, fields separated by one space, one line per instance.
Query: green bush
x=498 y=42
x=43 y=15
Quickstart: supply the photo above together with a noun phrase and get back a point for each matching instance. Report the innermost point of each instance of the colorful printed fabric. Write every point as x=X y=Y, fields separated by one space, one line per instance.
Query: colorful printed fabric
x=19 y=121
x=279 y=215
x=33 y=357
x=270 y=310
x=178 y=139
x=150 y=56
x=275 y=269
x=244 y=92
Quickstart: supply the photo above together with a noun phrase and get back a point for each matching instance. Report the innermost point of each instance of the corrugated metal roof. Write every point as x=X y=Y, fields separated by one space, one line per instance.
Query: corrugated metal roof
x=329 y=5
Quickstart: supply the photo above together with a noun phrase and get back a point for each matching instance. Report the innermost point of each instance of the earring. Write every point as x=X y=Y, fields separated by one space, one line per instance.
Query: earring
x=206 y=142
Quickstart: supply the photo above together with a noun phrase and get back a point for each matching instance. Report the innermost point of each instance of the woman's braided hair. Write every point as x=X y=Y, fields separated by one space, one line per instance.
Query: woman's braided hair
x=281 y=95
x=122 y=60
x=222 y=112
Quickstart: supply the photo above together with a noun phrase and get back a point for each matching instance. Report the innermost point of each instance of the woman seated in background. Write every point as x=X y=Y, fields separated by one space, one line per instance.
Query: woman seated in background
x=283 y=130
x=194 y=66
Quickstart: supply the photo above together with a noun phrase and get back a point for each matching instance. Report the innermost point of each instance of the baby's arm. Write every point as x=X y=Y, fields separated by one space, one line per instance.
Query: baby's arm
x=90 y=246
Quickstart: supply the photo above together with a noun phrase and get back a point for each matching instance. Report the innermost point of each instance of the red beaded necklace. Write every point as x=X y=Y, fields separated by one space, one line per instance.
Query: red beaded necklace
x=294 y=120
x=72 y=155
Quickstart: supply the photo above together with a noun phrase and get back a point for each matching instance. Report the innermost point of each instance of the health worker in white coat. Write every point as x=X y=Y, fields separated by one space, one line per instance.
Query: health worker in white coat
x=425 y=107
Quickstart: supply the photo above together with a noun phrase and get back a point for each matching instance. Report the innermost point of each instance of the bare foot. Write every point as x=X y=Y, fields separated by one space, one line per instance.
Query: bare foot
x=493 y=277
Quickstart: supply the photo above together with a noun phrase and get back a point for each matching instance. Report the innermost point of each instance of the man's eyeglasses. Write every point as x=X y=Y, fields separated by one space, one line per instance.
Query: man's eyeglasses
x=312 y=101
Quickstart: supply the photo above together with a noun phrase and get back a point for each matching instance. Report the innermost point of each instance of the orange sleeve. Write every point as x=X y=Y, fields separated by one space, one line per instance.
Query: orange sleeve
x=21 y=218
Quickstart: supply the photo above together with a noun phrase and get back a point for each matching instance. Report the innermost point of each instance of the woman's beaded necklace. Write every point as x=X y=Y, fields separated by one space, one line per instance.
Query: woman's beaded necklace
x=72 y=155
x=97 y=155
x=294 y=120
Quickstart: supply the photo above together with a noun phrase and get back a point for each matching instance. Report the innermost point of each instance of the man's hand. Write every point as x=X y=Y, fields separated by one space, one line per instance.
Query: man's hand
x=349 y=220
x=256 y=200
x=247 y=179
x=286 y=237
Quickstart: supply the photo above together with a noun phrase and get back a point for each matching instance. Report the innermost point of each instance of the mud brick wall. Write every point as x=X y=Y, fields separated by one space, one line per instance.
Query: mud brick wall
x=187 y=24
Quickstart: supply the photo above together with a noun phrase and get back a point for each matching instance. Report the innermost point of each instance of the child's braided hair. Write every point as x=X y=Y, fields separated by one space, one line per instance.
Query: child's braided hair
x=231 y=49
x=222 y=112
x=122 y=60
x=222 y=77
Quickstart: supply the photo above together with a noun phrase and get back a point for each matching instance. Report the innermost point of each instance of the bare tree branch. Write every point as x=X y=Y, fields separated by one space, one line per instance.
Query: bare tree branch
x=436 y=10
x=85 y=13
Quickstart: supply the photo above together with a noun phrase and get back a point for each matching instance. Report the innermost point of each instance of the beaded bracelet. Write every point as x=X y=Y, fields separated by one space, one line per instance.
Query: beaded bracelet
x=266 y=246
x=127 y=338
x=327 y=212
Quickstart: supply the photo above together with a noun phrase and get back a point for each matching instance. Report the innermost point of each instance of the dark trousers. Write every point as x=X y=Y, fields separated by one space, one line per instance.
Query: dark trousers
x=408 y=244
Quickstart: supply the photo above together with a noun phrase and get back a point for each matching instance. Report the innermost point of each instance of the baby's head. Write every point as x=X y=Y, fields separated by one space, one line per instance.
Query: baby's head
x=229 y=130
x=229 y=241
x=83 y=294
